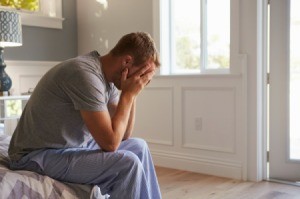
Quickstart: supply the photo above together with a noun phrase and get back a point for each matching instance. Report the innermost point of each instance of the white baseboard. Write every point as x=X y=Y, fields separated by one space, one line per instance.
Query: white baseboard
x=216 y=167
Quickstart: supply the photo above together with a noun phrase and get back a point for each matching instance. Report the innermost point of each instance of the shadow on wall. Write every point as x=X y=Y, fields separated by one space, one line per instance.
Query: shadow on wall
x=101 y=23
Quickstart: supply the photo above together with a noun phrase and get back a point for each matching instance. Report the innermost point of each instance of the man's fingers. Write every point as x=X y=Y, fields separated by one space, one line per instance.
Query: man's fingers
x=147 y=77
x=143 y=70
x=124 y=74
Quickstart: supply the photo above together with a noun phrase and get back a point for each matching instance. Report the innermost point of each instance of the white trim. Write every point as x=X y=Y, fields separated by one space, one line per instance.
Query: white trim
x=203 y=35
x=235 y=67
x=15 y=97
x=200 y=75
x=284 y=182
x=160 y=142
x=200 y=164
x=41 y=21
x=264 y=85
x=243 y=62
x=262 y=61
x=21 y=63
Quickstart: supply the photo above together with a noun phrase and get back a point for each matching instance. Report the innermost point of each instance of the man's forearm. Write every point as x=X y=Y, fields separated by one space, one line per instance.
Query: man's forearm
x=131 y=121
x=122 y=116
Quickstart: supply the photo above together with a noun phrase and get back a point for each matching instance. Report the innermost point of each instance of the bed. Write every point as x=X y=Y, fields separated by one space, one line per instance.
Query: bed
x=25 y=184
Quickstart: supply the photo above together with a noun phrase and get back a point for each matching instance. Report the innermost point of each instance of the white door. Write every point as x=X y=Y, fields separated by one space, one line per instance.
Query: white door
x=284 y=118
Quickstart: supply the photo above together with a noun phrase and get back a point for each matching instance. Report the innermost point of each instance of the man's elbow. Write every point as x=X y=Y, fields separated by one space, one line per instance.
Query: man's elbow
x=110 y=142
x=126 y=137
x=110 y=147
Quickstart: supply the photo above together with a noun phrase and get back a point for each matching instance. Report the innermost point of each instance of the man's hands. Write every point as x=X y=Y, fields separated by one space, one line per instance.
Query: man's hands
x=137 y=81
x=109 y=130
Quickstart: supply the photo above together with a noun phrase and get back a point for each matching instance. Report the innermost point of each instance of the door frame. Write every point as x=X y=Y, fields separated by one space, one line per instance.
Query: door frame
x=262 y=72
x=261 y=169
x=262 y=83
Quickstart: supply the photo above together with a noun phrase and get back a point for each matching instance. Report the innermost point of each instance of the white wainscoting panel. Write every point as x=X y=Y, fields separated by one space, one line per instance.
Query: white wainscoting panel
x=26 y=74
x=28 y=82
x=209 y=118
x=154 y=119
x=195 y=123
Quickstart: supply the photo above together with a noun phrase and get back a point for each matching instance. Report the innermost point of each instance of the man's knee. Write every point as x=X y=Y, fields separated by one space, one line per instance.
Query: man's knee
x=131 y=157
x=138 y=142
x=131 y=161
x=137 y=146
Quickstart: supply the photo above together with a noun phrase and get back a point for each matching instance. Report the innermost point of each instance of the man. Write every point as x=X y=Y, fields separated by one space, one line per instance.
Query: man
x=76 y=127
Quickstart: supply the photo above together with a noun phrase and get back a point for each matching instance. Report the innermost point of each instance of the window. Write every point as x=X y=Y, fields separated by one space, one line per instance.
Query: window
x=194 y=36
x=29 y=5
x=14 y=108
x=41 y=13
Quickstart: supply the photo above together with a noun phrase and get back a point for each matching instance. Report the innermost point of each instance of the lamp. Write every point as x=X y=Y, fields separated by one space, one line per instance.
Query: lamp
x=10 y=35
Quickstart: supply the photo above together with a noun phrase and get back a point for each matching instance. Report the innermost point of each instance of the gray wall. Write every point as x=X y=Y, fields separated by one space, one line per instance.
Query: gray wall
x=45 y=44
x=100 y=28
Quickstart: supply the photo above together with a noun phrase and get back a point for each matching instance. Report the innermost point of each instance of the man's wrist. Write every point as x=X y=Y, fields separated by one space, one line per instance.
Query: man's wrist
x=128 y=96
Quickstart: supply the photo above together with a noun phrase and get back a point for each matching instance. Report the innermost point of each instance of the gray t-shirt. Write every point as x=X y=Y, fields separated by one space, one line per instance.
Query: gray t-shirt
x=51 y=118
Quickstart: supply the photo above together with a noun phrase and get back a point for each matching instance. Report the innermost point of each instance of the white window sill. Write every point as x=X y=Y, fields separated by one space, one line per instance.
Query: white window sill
x=41 y=21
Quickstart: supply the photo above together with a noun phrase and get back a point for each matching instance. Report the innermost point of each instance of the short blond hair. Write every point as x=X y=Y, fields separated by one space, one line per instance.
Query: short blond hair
x=139 y=45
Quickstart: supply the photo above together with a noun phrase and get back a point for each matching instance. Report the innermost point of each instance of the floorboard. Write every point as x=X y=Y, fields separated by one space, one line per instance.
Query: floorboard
x=177 y=184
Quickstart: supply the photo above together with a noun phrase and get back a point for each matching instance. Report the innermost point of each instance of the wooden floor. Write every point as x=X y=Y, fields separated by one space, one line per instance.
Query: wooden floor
x=176 y=184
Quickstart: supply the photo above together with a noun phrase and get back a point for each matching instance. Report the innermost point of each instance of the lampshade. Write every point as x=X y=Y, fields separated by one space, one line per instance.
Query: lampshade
x=10 y=35
x=10 y=29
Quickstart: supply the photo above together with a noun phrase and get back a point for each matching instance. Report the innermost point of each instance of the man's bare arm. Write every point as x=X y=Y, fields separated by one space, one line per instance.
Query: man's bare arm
x=109 y=131
x=131 y=121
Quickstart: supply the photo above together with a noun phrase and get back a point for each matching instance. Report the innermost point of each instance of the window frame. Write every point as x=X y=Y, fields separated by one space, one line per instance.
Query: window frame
x=164 y=48
x=40 y=18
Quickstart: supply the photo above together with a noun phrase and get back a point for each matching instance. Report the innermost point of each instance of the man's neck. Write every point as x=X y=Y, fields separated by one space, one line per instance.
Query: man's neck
x=107 y=64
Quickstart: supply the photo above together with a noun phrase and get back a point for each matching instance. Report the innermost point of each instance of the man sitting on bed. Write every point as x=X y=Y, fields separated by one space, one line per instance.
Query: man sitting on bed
x=76 y=127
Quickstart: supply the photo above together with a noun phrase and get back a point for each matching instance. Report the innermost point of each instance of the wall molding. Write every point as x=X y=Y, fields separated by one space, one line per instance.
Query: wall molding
x=162 y=99
x=160 y=142
x=233 y=89
x=26 y=63
x=201 y=164
x=243 y=59
x=201 y=152
x=26 y=74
